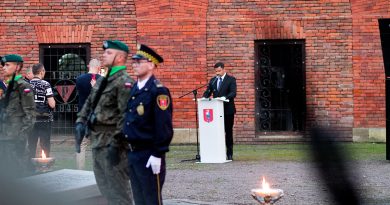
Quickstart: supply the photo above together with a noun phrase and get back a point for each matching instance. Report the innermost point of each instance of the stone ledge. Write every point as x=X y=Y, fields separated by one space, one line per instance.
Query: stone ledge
x=369 y=134
x=184 y=136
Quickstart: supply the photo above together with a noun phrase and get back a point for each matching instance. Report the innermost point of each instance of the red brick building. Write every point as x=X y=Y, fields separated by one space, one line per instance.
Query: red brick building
x=296 y=62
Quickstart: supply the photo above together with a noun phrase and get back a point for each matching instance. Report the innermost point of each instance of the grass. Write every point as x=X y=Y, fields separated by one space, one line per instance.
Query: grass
x=65 y=156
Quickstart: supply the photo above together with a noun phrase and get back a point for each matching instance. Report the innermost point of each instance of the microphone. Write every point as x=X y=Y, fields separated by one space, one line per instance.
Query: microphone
x=209 y=87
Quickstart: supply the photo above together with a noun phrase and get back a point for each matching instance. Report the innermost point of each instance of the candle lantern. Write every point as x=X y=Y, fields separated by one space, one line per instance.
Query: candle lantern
x=43 y=164
x=266 y=195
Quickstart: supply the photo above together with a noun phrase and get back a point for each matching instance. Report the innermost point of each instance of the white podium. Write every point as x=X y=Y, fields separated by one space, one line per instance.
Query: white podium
x=211 y=131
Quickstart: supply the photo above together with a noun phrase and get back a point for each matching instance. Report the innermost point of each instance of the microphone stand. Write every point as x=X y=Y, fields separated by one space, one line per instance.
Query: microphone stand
x=195 y=92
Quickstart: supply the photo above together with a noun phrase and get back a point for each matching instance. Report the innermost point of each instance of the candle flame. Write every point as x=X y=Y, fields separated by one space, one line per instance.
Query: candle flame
x=266 y=185
x=43 y=155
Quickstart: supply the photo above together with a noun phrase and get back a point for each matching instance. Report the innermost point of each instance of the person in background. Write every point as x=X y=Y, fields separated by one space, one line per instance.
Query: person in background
x=45 y=103
x=28 y=74
x=225 y=87
x=84 y=84
x=86 y=81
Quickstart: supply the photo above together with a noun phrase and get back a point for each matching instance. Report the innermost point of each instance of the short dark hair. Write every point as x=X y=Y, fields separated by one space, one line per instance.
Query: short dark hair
x=37 y=68
x=219 y=64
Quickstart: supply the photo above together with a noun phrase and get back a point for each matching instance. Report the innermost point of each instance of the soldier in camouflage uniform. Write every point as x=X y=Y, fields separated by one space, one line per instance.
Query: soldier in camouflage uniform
x=112 y=179
x=17 y=119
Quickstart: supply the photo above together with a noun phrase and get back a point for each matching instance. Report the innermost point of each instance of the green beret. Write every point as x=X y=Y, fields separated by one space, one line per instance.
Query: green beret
x=11 y=58
x=115 y=44
x=144 y=52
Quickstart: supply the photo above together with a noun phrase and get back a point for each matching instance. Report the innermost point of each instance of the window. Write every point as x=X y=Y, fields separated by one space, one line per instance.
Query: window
x=63 y=64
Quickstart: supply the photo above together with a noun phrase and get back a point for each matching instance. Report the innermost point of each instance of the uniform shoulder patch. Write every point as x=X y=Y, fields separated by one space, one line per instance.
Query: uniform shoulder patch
x=24 y=86
x=158 y=84
x=27 y=90
x=128 y=85
x=163 y=101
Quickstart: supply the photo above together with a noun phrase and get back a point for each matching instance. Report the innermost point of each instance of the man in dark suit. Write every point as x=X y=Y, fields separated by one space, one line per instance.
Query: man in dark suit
x=84 y=84
x=225 y=87
x=86 y=81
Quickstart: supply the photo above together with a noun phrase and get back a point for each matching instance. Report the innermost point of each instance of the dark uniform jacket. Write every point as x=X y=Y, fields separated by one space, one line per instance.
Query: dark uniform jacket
x=148 y=120
x=110 y=108
x=228 y=89
x=83 y=85
x=19 y=115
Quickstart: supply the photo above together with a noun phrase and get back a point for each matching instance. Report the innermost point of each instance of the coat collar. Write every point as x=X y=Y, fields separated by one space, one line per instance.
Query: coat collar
x=116 y=75
x=148 y=86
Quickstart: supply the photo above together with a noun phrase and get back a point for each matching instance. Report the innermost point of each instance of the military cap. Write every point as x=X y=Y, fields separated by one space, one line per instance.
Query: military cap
x=144 y=52
x=115 y=44
x=11 y=58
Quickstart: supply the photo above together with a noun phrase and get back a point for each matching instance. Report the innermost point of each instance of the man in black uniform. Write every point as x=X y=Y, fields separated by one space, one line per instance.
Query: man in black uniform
x=225 y=87
x=147 y=129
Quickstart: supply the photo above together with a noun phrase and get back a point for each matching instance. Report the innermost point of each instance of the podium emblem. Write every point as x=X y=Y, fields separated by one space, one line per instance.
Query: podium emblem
x=208 y=115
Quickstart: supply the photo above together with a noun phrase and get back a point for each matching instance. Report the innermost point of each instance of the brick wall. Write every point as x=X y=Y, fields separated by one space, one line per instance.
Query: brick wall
x=233 y=26
x=24 y=22
x=177 y=30
x=344 y=69
x=369 y=76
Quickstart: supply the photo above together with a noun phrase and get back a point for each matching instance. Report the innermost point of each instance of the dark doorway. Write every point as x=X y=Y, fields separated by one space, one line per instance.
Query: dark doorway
x=384 y=27
x=63 y=64
x=280 y=86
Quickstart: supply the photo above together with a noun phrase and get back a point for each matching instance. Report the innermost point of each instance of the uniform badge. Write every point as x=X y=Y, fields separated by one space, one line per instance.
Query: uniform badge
x=140 y=109
x=163 y=102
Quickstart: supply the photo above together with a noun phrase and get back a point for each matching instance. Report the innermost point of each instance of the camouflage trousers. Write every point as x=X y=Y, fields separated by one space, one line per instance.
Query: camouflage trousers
x=14 y=159
x=113 y=181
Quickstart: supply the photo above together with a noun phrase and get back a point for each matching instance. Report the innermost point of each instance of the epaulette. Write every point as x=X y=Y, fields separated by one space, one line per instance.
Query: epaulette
x=158 y=84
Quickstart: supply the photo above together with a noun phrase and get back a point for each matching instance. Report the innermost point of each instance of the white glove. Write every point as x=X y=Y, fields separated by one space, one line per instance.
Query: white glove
x=223 y=98
x=155 y=162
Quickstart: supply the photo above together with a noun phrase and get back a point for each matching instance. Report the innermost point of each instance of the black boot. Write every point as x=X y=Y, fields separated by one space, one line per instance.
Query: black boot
x=229 y=153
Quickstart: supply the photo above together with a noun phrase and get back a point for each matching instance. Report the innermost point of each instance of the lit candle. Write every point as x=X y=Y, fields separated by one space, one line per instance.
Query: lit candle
x=266 y=194
x=266 y=190
x=44 y=163
x=43 y=158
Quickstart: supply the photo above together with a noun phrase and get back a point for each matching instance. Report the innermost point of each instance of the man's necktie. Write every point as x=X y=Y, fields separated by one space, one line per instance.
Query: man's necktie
x=219 y=83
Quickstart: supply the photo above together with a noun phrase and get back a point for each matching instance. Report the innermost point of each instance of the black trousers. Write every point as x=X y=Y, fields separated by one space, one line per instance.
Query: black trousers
x=229 y=122
x=42 y=131
x=145 y=185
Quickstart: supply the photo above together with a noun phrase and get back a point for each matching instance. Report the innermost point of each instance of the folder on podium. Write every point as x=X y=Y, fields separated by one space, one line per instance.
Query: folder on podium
x=211 y=130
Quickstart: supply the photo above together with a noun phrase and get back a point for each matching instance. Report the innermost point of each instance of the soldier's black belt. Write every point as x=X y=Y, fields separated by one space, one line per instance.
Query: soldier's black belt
x=138 y=147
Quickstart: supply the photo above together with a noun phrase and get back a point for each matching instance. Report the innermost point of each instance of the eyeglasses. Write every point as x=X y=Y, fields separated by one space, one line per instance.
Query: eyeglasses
x=138 y=62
